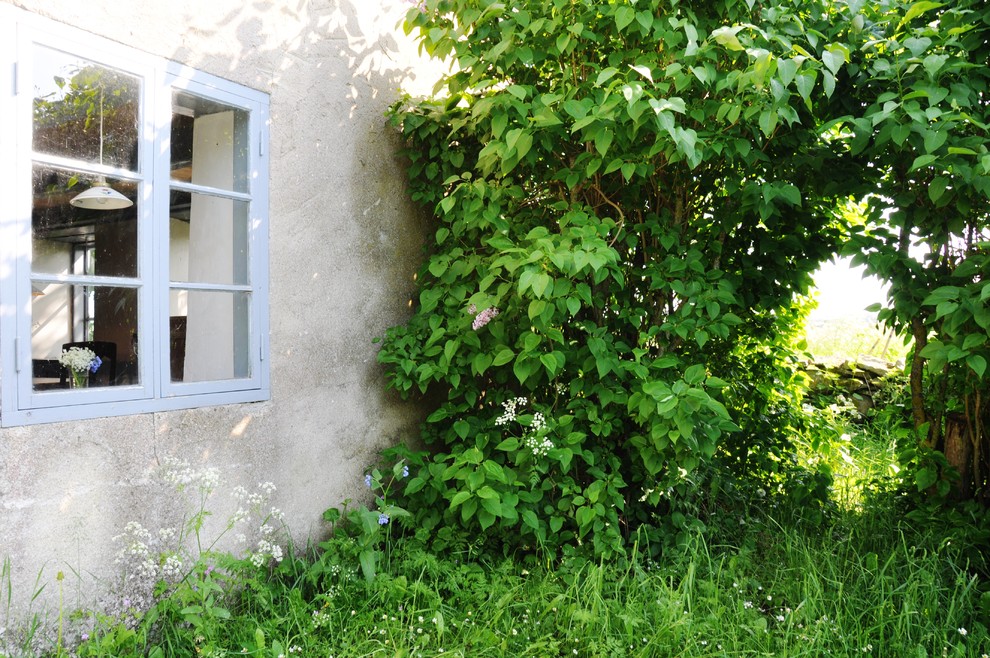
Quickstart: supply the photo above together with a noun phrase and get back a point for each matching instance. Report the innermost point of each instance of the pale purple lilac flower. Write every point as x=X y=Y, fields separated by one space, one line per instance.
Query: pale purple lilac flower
x=484 y=318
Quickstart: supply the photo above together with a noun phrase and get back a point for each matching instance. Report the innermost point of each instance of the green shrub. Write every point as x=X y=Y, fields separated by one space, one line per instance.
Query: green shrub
x=618 y=245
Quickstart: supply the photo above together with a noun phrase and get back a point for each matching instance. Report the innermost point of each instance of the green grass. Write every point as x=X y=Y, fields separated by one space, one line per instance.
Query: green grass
x=754 y=584
x=839 y=590
x=871 y=580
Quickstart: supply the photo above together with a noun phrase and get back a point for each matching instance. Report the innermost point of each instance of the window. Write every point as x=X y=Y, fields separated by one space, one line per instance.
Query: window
x=163 y=272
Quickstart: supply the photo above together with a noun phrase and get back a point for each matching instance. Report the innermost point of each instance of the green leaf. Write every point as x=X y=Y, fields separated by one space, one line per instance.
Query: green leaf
x=805 y=82
x=459 y=498
x=917 y=45
x=487 y=492
x=643 y=71
x=494 y=471
x=786 y=70
x=941 y=294
x=694 y=374
x=522 y=369
x=934 y=139
x=503 y=357
x=937 y=188
x=917 y=9
x=925 y=477
x=922 y=161
x=828 y=83
x=367 y=560
x=624 y=16
x=605 y=75
x=726 y=36
x=550 y=363
x=486 y=519
x=977 y=363
x=833 y=58
x=603 y=140
x=584 y=516
x=945 y=308
x=481 y=363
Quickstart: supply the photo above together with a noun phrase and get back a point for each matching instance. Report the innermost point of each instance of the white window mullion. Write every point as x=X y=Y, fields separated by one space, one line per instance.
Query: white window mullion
x=10 y=212
x=19 y=257
x=155 y=352
x=259 y=242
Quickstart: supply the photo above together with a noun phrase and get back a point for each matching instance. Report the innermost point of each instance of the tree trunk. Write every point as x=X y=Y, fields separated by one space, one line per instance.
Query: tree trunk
x=958 y=453
x=920 y=333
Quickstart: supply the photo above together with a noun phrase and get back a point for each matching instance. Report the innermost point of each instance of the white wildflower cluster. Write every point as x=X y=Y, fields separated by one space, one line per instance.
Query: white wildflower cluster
x=135 y=554
x=541 y=447
x=321 y=616
x=264 y=552
x=172 y=568
x=153 y=563
x=145 y=560
x=510 y=407
x=535 y=438
x=267 y=548
x=180 y=474
x=79 y=359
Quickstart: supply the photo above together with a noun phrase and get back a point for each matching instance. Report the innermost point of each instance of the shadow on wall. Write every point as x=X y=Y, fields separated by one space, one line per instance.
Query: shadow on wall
x=332 y=69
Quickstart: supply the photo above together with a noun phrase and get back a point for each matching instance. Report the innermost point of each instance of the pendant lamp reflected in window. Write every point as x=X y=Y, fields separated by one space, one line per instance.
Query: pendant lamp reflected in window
x=101 y=197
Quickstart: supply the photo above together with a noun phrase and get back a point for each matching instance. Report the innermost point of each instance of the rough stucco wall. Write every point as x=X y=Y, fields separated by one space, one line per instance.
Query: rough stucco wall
x=344 y=243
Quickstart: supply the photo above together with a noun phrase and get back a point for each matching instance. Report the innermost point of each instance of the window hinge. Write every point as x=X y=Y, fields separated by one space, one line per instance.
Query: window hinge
x=17 y=80
x=261 y=351
x=261 y=143
x=17 y=355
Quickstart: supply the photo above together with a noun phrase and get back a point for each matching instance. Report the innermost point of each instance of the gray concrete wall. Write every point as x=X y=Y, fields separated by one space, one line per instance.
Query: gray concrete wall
x=344 y=244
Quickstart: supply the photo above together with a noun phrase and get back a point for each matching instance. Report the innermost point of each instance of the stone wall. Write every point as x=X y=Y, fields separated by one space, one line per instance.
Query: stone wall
x=859 y=379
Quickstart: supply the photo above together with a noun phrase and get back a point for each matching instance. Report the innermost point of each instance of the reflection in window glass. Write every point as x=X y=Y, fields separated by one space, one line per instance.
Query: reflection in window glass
x=85 y=111
x=209 y=335
x=209 y=143
x=208 y=239
x=102 y=318
x=57 y=226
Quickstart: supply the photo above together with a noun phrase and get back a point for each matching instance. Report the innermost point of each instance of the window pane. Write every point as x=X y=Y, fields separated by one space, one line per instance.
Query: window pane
x=104 y=317
x=209 y=143
x=208 y=335
x=57 y=226
x=85 y=111
x=208 y=239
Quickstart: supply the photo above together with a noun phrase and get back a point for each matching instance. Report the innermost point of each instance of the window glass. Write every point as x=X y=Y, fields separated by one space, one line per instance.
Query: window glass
x=85 y=111
x=208 y=239
x=56 y=225
x=209 y=337
x=209 y=143
x=101 y=318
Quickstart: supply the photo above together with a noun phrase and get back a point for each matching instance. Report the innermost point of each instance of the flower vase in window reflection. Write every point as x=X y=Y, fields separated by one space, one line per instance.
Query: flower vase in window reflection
x=81 y=362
